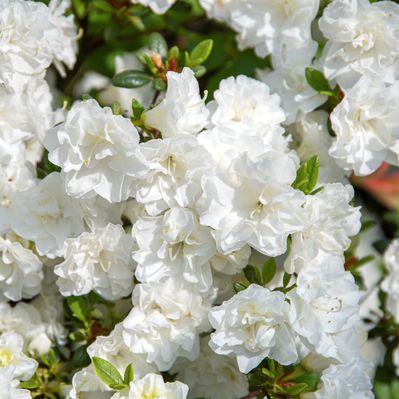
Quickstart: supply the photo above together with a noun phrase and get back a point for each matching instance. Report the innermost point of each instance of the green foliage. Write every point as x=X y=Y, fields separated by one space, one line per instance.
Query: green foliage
x=307 y=175
x=131 y=79
x=318 y=82
x=260 y=276
x=157 y=44
x=108 y=373
x=200 y=53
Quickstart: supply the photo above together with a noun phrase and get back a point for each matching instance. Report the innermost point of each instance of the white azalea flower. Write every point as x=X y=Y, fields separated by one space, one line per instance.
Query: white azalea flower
x=98 y=261
x=390 y=284
x=329 y=222
x=367 y=127
x=114 y=350
x=232 y=263
x=165 y=322
x=312 y=136
x=243 y=104
x=253 y=325
x=182 y=111
x=211 y=376
x=97 y=151
x=20 y=270
x=253 y=204
x=349 y=380
x=152 y=386
x=325 y=302
x=11 y=353
x=9 y=386
x=35 y=36
x=24 y=319
x=86 y=384
x=174 y=245
x=175 y=168
x=263 y=24
x=158 y=6
x=47 y=216
x=363 y=39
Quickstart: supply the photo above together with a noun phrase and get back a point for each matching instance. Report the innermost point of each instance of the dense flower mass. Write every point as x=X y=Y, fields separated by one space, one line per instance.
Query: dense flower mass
x=206 y=213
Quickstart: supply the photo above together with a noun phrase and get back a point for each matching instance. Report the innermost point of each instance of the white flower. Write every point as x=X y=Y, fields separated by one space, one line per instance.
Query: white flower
x=11 y=353
x=325 y=302
x=174 y=245
x=395 y=359
x=20 y=270
x=152 y=386
x=232 y=263
x=367 y=127
x=47 y=216
x=33 y=35
x=158 y=6
x=86 y=384
x=390 y=284
x=253 y=203
x=182 y=111
x=165 y=322
x=211 y=376
x=114 y=350
x=253 y=325
x=311 y=132
x=62 y=35
x=97 y=151
x=9 y=386
x=349 y=380
x=290 y=83
x=24 y=319
x=175 y=168
x=363 y=39
x=329 y=221
x=244 y=104
x=263 y=24
x=98 y=261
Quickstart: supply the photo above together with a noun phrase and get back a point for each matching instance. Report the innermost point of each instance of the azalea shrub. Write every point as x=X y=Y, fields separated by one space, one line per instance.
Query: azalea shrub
x=199 y=199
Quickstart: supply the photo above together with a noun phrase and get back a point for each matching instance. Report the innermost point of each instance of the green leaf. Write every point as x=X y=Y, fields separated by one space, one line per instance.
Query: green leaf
x=297 y=389
x=318 y=82
x=131 y=79
x=157 y=44
x=78 y=307
x=116 y=108
x=199 y=71
x=360 y=262
x=239 y=287
x=80 y=357
x=268 y=271
x=286 y=279
x=174 y=52
x=307 y=175
x=159 y=84
x=108 y=373
x=137 y=109
x=129 y=374
x=200 y=53
x=253 y=274
x=32 y=383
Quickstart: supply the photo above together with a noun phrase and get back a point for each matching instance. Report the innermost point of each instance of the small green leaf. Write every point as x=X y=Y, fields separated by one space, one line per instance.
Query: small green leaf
x=268 y=271
x=108 y=373
x=199 y=71
x=200 y=53
x=307 y=175
x=318 y=82
x=129 y=374
x=174 y=52
x=239 y=287
x=159 y=84
x=157 y=44
x=116 y=108
x=286 y=279
x=360 y=262
x=297 y=389
x=137 y=109
x=86 y=97
x=80 y=357
x=32 y=383
x=131 y=79
x=367 y=224
x=253 y=274
x=78 y=307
